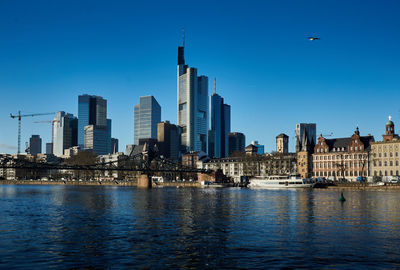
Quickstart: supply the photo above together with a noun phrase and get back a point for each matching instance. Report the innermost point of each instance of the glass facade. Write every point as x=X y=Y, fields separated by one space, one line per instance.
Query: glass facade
x=192 y=99
x=220 y=126
x=147 y=114
x=92 y=111
x=311 y=133
x=65 y=132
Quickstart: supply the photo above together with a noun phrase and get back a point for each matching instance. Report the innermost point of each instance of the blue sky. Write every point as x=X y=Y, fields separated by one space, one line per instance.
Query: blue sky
x=266 y=69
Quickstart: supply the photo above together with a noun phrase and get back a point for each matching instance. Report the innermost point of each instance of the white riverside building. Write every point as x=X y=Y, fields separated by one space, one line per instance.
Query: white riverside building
x=192 y=101
x=260 y=165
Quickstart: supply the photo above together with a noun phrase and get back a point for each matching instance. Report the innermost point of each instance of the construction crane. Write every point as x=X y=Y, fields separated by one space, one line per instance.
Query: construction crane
x=19 y=116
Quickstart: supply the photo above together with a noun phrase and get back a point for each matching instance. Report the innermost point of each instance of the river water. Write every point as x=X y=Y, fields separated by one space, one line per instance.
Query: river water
x=125 y=227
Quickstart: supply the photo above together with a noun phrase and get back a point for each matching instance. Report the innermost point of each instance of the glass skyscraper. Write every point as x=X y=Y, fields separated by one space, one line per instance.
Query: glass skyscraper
x=309 y=132
x=92 y=111
x=220 y=126
x=65 y=132
x=192 y=106
x=147 y=114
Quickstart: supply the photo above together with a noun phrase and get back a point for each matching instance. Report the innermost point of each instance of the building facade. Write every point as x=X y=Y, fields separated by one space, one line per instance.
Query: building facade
x=114 y=145
x=220 y=125
x=92 y=110
x=96 y=139
x=35 y=145
x=249 y=166
x=385 y=157
x=340 y=158
x=192 y=106
x=305 y=130
x=147 y=114
x=65 y=132
x=169 y=140
x=282 y=144
x=237 y=142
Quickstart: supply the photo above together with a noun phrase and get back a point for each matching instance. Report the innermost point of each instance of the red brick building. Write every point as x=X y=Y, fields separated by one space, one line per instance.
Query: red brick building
x=342 y=157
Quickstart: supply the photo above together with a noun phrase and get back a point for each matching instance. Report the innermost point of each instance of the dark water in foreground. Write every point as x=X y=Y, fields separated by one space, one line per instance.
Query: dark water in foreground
x=123 y=227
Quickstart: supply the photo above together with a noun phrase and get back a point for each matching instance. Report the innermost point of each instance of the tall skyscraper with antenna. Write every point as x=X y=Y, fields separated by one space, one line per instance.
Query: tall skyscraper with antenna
x=220 y=126
x=192 y=104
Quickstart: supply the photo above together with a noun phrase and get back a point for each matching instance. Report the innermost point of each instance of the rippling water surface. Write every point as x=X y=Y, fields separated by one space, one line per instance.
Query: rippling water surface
x=124 y=227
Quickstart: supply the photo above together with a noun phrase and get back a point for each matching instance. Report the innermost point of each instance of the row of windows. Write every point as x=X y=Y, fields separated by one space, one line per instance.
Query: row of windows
x=385 y=163
x=338 y=157
x=333 y=165
x=339 y=173
x=380 y=148
x=386 y=173
x=386 y=154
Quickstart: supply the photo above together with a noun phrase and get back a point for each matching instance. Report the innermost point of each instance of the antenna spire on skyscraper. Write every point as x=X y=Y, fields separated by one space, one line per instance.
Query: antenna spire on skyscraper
x=215 y=85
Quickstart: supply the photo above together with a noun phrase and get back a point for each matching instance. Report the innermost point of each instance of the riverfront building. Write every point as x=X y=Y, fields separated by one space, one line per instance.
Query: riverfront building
x=342 y=157
x=249 y=166
x=147 y=114
x=65 y=132
x=220 y=126
x=384 y=154
x=237 y=142
x=192 y=105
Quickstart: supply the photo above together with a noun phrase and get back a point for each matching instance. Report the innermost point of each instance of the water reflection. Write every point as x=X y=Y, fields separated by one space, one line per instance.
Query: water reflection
x=103 y=227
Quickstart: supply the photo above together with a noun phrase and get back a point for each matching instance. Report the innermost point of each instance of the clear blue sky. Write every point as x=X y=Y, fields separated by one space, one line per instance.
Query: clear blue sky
x=266 y=69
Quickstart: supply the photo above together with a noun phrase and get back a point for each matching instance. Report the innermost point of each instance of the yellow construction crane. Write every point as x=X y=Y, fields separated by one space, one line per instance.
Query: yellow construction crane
x=19 y=116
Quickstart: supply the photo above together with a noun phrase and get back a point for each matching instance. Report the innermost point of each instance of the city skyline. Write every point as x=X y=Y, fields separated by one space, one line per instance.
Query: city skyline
x=348 y=78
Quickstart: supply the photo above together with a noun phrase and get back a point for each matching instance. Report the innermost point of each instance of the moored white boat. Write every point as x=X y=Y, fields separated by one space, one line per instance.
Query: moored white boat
x=280 y=182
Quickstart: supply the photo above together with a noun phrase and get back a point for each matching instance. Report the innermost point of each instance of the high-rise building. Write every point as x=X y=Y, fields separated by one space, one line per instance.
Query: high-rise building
x=192 y=105
x=282 y=143
x=96 y=139
x=237 y=142
x=306 y=136
x=65 y=132
x=220 y=126
x=114 y=145
x=92 y=110
x=169 y=140
x=109 y=143
x=35 y=145
x=92 y=120
x=49 y=148
x=147 y=114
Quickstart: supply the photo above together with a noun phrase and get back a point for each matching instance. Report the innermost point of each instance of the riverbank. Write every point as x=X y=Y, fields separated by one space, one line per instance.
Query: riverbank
x=97 y=183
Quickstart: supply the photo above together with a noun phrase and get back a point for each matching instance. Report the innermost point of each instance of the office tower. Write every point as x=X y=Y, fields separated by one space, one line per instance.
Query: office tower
x=65 y=132
x=109 y=144
x=96 y=139
x=147 y=114
x=220 y=125
x=237 y=142
x=192 y=105
x=169 y=140
x=35 y=145
x=305 y=136
x=282 y=144
x=92 y=110
x=49 y=148
x=114 y=145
